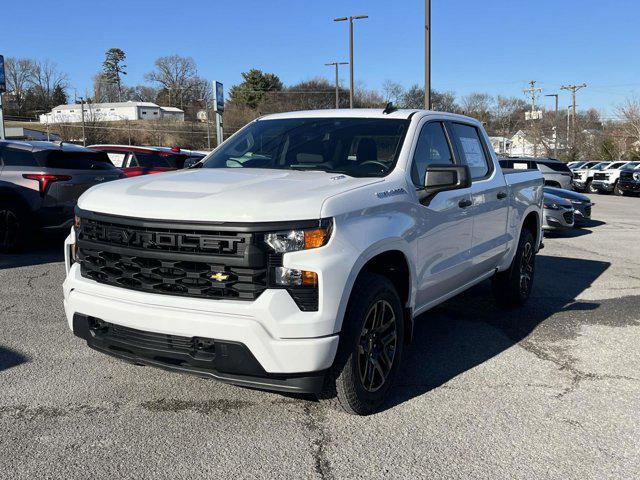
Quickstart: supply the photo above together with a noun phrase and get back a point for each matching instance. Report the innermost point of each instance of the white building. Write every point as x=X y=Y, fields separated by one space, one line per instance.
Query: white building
x=111 y=112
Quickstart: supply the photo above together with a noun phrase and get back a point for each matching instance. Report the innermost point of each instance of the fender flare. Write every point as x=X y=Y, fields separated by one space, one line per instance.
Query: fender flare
x=380 y=247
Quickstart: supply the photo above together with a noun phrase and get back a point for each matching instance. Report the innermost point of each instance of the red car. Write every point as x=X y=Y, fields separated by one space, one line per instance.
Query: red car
x=134 y=161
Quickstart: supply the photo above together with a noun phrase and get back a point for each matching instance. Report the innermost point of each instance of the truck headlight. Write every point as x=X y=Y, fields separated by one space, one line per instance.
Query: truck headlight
x=295 y=240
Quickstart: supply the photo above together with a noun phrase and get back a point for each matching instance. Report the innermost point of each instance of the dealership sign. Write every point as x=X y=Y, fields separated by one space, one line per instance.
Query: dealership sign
x=219 y=105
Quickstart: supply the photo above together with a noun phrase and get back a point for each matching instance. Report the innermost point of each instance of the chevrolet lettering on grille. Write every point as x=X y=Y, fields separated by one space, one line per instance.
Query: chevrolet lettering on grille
x=135 y=238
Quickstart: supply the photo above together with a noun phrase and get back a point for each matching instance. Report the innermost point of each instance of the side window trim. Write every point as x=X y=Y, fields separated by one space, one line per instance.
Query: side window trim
x=487 y=157
x=452 y=150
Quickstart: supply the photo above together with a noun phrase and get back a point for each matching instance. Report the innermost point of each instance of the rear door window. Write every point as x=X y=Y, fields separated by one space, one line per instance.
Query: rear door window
x=471 y=150
x=75 y=160
x=16 y=157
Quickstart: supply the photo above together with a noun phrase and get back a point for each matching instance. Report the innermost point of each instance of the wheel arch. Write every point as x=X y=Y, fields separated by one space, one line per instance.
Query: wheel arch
x=392 y=262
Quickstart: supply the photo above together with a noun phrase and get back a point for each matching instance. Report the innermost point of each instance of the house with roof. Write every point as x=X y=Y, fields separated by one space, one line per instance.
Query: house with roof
x=110 y=112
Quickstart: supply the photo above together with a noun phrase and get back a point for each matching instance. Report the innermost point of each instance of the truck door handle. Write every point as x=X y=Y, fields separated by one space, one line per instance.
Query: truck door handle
x=465 y=203
x=502 y=195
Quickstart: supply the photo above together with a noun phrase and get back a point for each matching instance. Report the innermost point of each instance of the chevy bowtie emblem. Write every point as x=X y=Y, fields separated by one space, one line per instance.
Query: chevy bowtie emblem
x=219 y=277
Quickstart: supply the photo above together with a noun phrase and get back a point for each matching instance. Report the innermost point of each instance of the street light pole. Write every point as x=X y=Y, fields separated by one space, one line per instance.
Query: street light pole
x=337 y=80
x=427 y=54
x=84 y=137
x=351 y=19
x=555 y=122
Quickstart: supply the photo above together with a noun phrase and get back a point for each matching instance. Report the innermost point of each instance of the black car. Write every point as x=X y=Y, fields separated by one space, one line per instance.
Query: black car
x=629 y=181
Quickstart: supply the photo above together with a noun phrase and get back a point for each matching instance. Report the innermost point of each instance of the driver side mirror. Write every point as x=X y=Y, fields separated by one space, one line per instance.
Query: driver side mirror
x=440 y=178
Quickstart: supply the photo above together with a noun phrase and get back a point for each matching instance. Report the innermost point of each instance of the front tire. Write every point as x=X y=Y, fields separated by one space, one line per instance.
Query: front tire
x=591 y=188
x=513 y=286
x=618 y=191
x=370 y=348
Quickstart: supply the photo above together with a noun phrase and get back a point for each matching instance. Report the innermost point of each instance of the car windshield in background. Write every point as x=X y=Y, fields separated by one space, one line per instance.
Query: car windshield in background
x=632 y=165
x=358 y=147
x=74 y=160
x=600 y=166
x=159 y=160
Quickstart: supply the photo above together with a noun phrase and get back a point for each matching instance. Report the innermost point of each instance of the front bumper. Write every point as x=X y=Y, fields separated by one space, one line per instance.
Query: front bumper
x=633 y=187
x=230 y=362
x=603 y=185
x=557 y=219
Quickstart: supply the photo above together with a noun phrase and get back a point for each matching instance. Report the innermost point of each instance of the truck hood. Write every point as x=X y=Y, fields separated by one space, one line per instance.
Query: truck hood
x=221 y=195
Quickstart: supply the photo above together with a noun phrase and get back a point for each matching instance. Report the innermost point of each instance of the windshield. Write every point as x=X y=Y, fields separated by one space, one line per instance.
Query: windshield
x=600 y=166
x=358 y=147
x=632 y=165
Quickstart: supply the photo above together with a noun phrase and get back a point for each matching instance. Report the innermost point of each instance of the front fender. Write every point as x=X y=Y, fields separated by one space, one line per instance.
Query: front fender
x=356 y=239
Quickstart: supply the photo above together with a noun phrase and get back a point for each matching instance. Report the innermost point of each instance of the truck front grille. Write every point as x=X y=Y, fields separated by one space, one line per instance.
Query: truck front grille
x=599 y=176
x=175 y=259
x=136 y=271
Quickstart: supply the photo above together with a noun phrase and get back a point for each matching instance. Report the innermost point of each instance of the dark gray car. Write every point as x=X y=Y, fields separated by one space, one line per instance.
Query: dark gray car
x=581 y=203
x=40 y=183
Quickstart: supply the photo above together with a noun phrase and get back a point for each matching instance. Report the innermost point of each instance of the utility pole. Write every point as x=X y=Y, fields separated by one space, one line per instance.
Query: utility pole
x=568 y=117
x=555 y=123
x=1 y=119
x=337 y=81
x=532 y=90
x=351 y=19
x=427 y=54
x=573 y=89
x=84 y=137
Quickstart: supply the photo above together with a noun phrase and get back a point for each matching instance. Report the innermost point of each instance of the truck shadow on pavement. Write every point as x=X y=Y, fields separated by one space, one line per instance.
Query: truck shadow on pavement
x=471 y=328
x=45 y=248
x=10 y=358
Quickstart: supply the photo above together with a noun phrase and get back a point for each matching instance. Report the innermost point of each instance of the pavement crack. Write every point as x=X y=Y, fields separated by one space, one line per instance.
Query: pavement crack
x=314 y=423
x=31 y=278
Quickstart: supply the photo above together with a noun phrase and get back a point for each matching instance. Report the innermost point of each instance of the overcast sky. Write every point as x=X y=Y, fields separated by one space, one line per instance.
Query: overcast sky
x=493 y=46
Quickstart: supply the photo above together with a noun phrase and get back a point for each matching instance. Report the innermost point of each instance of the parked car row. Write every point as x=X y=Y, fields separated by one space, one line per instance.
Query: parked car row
x=620 y=177
x=40 y=182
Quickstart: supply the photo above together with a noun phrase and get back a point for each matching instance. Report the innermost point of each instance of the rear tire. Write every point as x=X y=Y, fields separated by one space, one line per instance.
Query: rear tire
x=13 y=227
x=370 y=349
x=513 y=286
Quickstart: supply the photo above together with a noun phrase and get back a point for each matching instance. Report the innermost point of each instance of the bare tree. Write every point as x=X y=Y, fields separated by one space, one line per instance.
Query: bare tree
x=478 y=105
x=177 y=75
x=629 y=113
x=18 y=74
x=45 y=79
x=393 y=92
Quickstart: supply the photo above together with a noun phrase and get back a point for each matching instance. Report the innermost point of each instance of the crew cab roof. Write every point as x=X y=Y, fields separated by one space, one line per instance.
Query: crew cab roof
x=364 y=113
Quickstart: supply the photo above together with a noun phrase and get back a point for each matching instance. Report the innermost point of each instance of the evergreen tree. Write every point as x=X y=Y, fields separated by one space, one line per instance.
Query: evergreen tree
x=113 y=68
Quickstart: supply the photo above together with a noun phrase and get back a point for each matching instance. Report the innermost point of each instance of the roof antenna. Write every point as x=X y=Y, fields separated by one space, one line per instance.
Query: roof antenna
x=390 y=108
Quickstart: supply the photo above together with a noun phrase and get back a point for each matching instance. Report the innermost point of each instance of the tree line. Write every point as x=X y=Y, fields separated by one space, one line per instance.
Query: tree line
x=36 y=86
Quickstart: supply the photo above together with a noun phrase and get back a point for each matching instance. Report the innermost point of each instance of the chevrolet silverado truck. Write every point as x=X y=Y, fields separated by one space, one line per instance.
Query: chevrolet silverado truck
x=297 y=255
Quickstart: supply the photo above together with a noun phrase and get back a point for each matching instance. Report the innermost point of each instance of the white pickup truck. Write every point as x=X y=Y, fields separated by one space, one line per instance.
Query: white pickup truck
x=299 y=253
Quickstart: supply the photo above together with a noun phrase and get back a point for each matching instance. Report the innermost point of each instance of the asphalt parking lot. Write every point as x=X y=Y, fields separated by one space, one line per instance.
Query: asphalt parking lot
x=548 y=391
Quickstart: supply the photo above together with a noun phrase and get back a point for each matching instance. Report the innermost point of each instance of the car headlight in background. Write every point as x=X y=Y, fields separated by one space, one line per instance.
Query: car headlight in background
x=551 y=206
x=296 y=240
